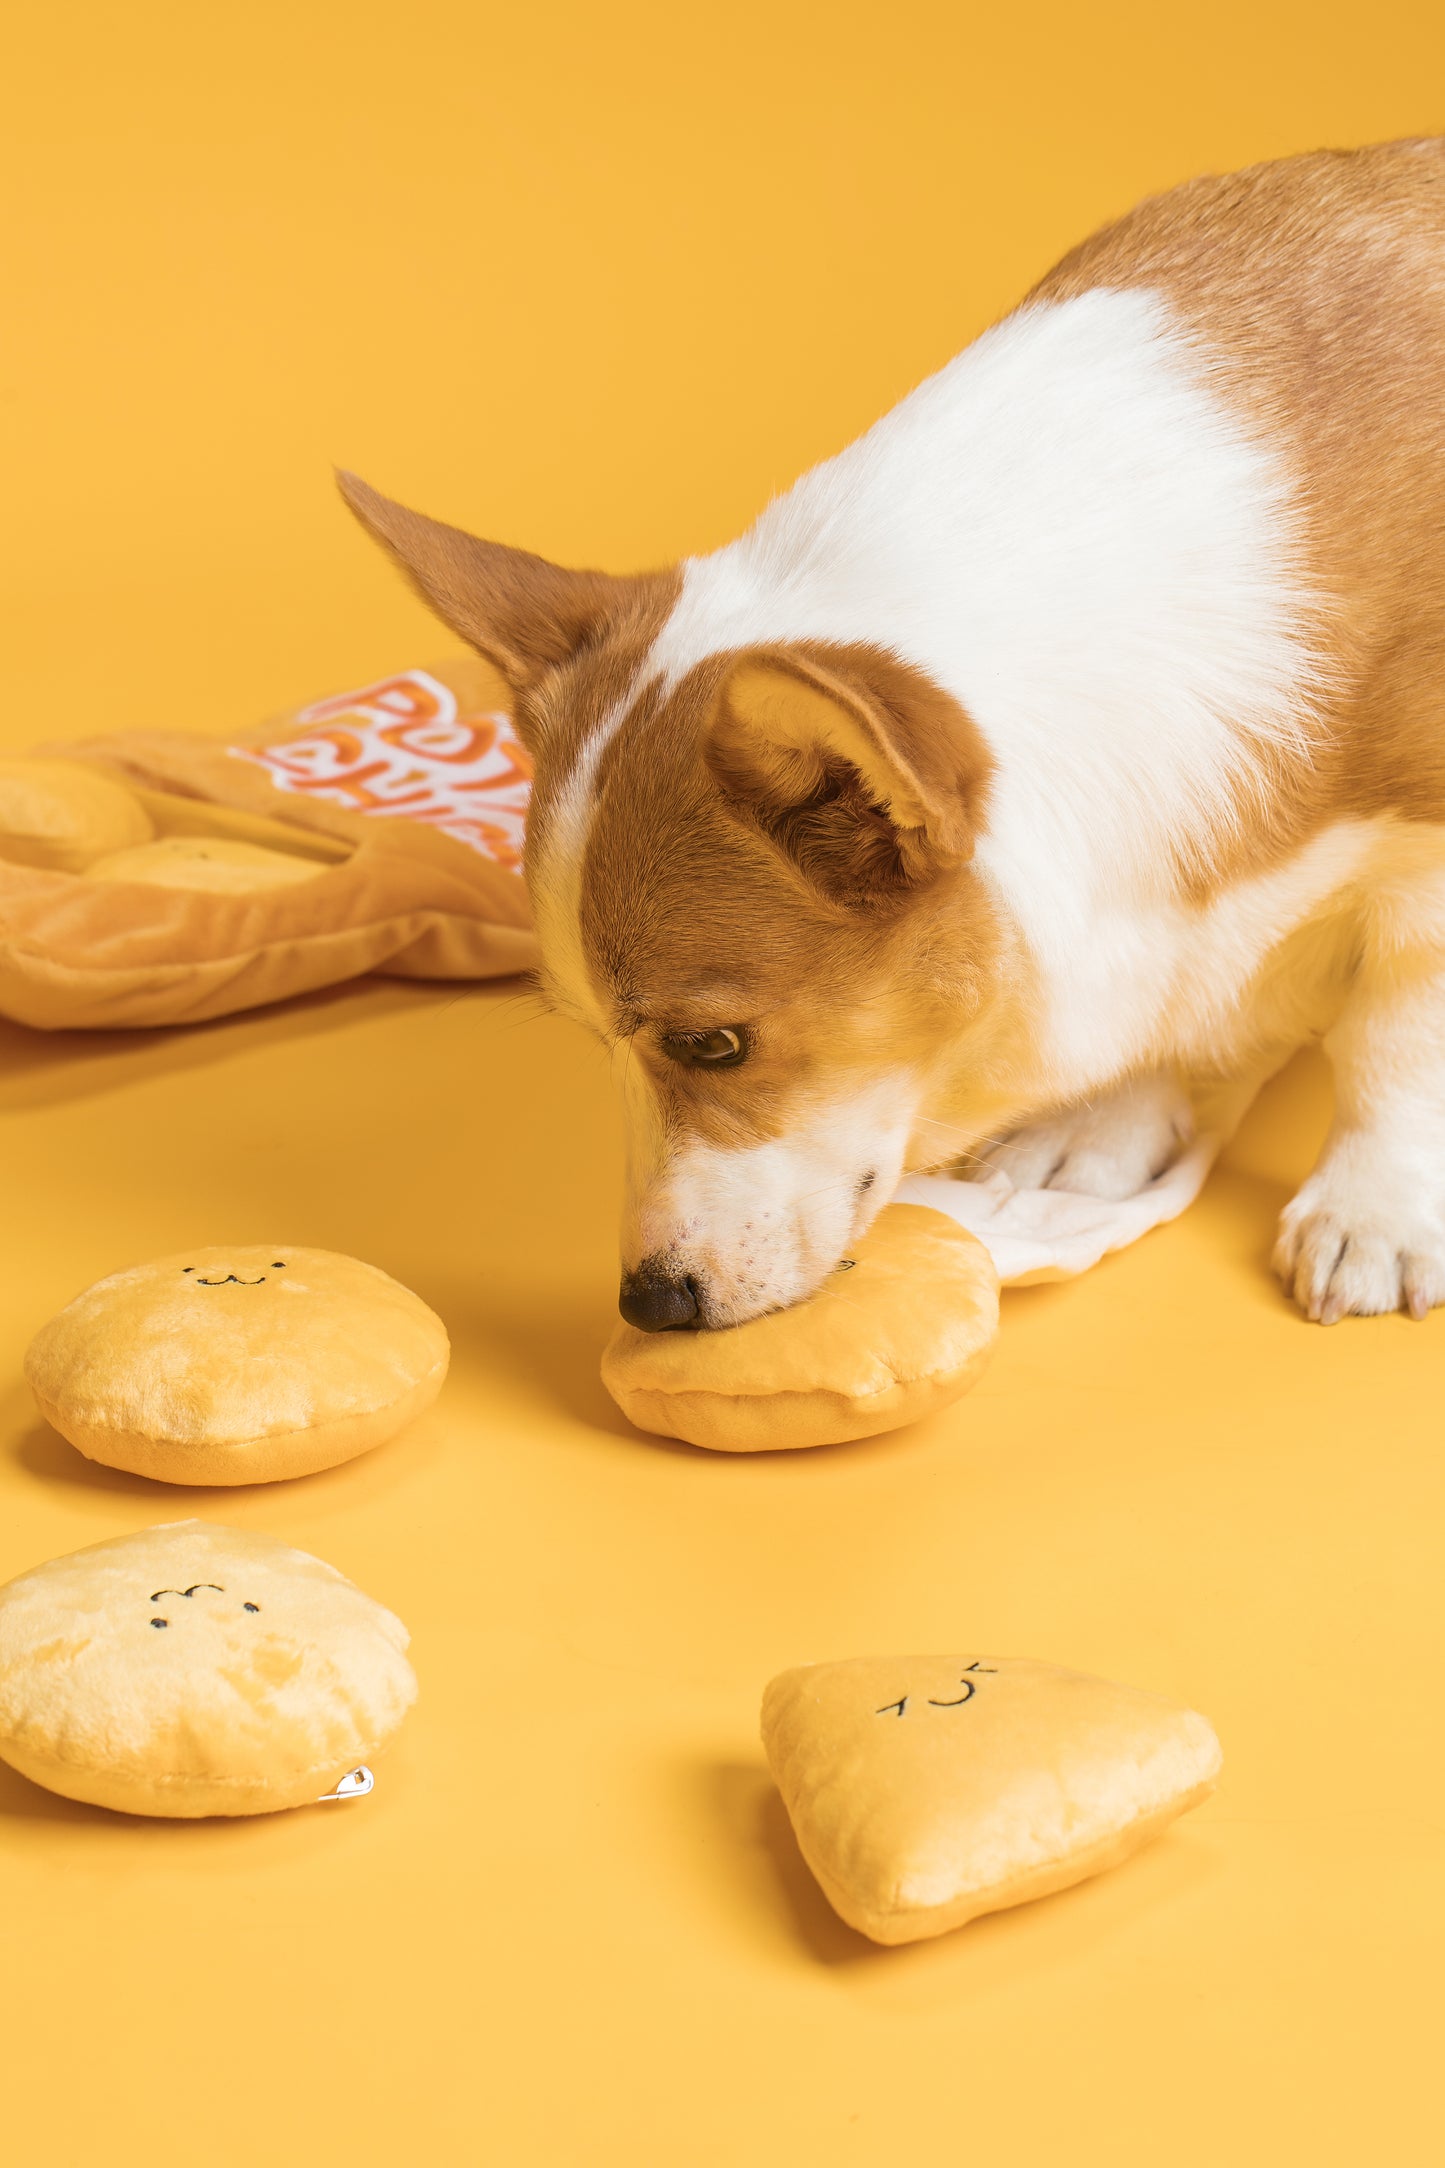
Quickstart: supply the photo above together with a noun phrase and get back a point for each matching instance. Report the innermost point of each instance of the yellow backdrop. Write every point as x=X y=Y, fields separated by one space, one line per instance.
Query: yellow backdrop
x=598 y=279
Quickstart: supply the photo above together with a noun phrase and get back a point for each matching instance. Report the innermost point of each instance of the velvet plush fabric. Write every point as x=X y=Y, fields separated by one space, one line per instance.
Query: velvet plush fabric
x=194 y=1670
x=237 y=1365
x=925 y=1790
x=901 y=1328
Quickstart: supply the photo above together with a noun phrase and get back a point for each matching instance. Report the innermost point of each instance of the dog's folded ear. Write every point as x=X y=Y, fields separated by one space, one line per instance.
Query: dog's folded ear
x=863 y=771
x=523 y=613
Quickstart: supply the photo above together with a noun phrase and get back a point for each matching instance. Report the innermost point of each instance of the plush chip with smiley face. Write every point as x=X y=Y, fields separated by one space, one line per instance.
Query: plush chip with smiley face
x=925 y=1790
x=237 y=1365
x=194 y=1670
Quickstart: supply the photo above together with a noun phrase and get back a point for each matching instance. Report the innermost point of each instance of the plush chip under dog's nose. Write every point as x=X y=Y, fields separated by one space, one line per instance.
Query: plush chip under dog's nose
x=657 y=1300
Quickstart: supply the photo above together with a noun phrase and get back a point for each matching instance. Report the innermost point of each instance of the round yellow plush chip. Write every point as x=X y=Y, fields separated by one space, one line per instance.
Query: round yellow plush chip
x=194 y=1670
x=214 y=863
x=237 y=1365
x=902 y=1328
x=58 y=815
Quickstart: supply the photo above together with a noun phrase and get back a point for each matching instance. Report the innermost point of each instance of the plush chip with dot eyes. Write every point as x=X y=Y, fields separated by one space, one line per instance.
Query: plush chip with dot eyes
x=194 y=1670
x=925 y=1790
x=238 y=1365
x=903 y=1327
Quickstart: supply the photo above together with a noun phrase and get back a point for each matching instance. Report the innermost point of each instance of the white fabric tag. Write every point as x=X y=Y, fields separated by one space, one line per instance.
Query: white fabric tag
x=354 y=1785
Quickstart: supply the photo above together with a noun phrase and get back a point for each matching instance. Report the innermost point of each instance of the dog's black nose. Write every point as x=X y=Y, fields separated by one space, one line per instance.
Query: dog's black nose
x=657 y=1300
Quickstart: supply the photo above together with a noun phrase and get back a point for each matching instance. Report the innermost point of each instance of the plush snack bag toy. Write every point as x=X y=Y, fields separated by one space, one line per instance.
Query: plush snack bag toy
x=237 y=1365
x=901 y=1328
x=162 y=877
x=925 y=1790
x=193 y=1670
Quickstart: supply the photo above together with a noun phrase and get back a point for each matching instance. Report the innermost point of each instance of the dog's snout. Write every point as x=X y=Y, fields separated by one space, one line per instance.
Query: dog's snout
x=657 y=1300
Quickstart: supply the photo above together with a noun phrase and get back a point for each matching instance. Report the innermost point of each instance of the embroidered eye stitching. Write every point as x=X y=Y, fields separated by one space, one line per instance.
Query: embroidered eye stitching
x=969 y=1686
x=158 y=1593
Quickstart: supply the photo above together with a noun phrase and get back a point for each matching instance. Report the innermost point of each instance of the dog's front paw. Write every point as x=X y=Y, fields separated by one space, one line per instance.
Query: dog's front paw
x=1111 y=1148
x=1343 y=1254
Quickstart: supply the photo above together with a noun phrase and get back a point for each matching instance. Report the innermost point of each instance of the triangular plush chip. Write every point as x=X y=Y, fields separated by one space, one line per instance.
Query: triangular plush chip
x=925 y=1790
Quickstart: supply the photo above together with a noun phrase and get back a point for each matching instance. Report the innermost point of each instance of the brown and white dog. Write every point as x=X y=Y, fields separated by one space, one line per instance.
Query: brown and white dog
x=1080 y=727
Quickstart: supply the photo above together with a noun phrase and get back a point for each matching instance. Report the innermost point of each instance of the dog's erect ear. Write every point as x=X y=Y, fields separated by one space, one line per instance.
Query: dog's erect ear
x=863 y=771
x=524 y=614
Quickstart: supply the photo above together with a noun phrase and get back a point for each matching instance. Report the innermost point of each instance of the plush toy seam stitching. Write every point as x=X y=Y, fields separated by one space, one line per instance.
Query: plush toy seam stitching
x=798 y=1392
x=106 y=1768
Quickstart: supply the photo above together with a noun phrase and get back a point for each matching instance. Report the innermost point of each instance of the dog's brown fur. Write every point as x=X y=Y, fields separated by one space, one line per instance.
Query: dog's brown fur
x=1342 y=369
x=819 y=923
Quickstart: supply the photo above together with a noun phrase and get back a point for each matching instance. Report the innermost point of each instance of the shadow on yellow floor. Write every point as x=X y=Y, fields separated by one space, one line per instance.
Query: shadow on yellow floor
x=37 y=1068
x=41 y=1454
x=767 y=1889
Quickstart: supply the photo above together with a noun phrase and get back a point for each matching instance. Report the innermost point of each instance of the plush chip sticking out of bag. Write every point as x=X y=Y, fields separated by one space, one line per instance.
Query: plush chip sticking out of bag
x=193 y=1670
x=925 y=1790
x=215 y=864
x=898 y=1330
x=61 y=817
x=237 y=1365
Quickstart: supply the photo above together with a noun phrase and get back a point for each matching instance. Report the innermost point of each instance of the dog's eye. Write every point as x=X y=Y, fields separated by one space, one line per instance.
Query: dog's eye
x=720 y=1049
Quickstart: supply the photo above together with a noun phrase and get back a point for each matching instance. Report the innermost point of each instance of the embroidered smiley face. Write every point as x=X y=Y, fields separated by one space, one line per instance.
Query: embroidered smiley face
x=968 y=1679
x=232 y=1279
x=158 y=1595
